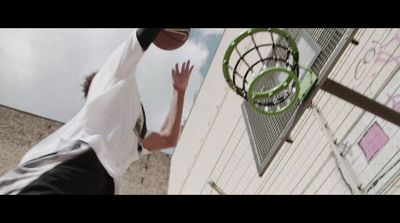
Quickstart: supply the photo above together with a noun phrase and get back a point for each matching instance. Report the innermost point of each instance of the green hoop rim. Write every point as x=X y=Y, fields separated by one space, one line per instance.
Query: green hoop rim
x=243 y=35
x=264 y=94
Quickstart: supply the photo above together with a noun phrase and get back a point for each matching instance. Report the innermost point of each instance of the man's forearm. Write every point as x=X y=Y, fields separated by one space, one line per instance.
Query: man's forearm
x=172 y=124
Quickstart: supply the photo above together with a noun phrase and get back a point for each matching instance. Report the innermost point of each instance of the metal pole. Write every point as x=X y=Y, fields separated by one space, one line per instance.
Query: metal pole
x=361 y=101
x=343 y=165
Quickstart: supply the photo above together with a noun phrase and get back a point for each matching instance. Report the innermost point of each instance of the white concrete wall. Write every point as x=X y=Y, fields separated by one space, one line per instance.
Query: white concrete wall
x=215 y=145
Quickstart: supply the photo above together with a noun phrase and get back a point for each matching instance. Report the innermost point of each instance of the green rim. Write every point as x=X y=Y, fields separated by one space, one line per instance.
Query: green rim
x=243 y=35
x=251 y=95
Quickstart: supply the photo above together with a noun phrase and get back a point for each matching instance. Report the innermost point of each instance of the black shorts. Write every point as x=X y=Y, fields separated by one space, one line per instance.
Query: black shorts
x=83 y=174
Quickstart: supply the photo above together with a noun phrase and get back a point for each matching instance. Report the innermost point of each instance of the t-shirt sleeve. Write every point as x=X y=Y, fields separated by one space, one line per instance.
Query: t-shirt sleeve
x=121 y=63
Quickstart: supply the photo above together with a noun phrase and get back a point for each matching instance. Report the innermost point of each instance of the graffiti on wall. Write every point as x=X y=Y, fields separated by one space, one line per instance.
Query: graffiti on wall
x=394 y=102
x=373 y=140
x=381 y=52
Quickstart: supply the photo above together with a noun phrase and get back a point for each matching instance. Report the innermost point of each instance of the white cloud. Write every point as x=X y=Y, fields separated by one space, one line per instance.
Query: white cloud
x=209 y=32
x=16 y=57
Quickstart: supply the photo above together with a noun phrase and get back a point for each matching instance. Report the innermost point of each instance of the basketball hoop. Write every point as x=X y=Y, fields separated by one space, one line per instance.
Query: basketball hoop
x=277 y=99
x=265 y=72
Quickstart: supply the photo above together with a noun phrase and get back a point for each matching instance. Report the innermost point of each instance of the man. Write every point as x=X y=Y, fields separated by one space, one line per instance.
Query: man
x=90 y=153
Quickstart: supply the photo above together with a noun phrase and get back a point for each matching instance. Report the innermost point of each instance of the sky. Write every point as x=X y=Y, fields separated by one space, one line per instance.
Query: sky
x=41 y=70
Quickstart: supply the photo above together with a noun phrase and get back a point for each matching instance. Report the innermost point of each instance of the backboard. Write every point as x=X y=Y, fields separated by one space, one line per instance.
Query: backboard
x=319 y=49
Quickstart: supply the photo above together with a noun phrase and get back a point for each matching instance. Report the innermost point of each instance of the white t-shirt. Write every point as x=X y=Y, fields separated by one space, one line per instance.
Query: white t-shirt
x=107 y=120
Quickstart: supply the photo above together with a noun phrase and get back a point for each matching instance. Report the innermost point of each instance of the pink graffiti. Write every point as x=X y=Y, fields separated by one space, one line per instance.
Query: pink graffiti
x=382 y=54
x=385 y=57
x=373 y=140
x=395 y=100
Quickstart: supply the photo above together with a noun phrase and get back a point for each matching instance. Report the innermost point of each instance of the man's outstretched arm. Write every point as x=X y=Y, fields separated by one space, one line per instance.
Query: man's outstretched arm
x=169 y=133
